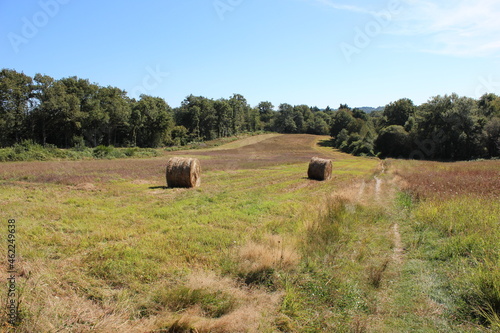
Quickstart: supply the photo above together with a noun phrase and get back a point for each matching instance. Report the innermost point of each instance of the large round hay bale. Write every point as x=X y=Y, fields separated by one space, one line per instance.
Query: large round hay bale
x=183 y=172
x=320 y=169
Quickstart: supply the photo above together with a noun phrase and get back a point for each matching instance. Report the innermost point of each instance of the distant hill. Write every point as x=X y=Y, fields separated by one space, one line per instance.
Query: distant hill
x=369 y=109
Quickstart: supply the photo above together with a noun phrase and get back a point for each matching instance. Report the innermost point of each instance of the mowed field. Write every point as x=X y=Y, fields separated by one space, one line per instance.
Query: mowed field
x=104 y=246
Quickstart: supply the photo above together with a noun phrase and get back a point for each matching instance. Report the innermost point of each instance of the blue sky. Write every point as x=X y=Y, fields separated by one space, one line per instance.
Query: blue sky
x=315 y=52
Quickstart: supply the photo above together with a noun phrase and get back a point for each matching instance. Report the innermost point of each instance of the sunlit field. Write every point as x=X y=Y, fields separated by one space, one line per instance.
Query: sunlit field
x=385 y=246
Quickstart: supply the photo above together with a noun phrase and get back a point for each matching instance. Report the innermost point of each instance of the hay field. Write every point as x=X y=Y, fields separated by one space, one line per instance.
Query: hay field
x=98 y=240
x=104 y=246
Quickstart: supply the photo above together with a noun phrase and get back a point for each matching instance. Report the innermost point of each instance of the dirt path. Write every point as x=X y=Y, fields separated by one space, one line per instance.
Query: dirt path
x=379 y=191
x=398 y=246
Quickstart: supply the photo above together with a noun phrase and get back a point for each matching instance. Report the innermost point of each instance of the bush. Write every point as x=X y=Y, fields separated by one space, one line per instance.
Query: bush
x=30 y=151
x=103 y=151
x=393 y=141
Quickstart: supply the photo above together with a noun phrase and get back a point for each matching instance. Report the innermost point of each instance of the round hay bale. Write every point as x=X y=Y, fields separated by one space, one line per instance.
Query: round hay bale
x=183 y=172
x=320 y=169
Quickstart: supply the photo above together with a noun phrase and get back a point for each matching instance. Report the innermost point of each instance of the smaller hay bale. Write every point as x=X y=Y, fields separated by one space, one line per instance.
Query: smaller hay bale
x=183 y=172
x=320 y=169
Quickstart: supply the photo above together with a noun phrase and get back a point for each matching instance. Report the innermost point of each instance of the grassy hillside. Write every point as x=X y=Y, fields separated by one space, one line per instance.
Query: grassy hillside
x=104 y=246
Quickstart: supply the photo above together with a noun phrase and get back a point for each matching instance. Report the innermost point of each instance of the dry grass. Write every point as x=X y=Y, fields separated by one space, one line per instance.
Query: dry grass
x=246 y=141
x=440 y=180
x=254 y=310
x=273 y=253
x=272 y=151
x=56 y=305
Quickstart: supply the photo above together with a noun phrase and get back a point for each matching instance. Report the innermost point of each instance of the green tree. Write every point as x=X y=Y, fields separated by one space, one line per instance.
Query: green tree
x=42 y=117
x=179 y=135
x=492 y=136
x=92 y=120
x=300 y=122
x=16 y=90
x=241 y=111
x=393 y=141
x=60 y=112
x=397 y=113
x=341 y=119
x=224 y=114
x=115 y=104
x=198 y=115
x=266 y=112
x=253 y=122
x=448 y=127
x=341 y=138
x=285 y=122
x=152 y=117
x=318 y=125
x=208 y=119
x=489 y=105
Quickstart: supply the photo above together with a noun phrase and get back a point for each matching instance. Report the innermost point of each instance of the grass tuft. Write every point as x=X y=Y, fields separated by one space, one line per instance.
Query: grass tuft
x=375 y=274
x=213 y=304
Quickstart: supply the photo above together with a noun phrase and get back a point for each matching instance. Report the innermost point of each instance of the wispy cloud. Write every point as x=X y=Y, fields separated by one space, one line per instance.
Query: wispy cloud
x=351 y=8
x=451 y=27
x=468 y=28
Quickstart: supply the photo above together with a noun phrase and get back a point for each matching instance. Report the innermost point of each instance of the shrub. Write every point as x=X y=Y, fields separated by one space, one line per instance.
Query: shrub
x=393 y=141
x=103 y=151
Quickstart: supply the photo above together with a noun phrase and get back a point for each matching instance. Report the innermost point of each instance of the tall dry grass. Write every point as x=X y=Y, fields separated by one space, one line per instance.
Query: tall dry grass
x=425 y=179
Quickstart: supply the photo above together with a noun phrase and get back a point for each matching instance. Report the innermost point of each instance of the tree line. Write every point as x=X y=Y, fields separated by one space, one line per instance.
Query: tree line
x=73 y=112
x=446 y=127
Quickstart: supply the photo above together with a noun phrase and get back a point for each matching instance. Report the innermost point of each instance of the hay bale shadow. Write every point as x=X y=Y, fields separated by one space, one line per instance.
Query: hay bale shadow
x=158 y=187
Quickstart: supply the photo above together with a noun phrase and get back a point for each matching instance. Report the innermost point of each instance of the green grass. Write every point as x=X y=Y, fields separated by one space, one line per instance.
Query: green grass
x=116 y=242
x=458 y=239
x=334 y=287
x=261 y=249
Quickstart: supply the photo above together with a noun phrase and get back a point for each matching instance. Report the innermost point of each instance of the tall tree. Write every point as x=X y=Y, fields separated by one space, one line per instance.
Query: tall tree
x=341 y=119
x=152 y=121
x=198 y=115
x=116 y=105
x=224 y=114
x=398 y=113
x=16 y=90
x=449 y=127
x=266 y=111
x=489 y=105
x=43 y=117
x=241 y=111
x=60 y=111
x=492 y=136
x=285 y=122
